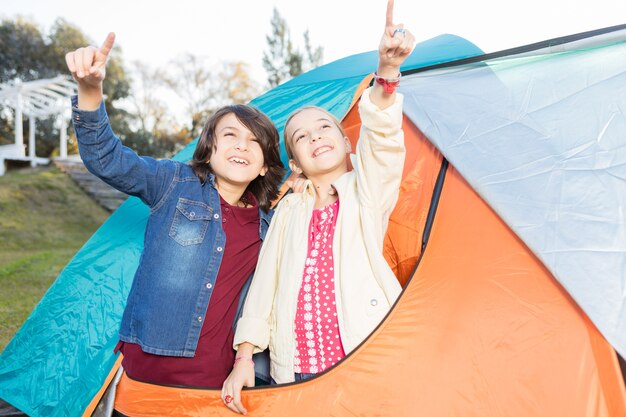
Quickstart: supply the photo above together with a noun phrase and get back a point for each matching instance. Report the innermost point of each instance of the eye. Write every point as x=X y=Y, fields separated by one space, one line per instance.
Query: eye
x=326 y=126
x=300 y=137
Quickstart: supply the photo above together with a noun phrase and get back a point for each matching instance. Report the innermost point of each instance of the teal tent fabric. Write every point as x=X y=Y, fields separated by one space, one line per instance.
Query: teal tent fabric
x=541 y=136
x=60 y=357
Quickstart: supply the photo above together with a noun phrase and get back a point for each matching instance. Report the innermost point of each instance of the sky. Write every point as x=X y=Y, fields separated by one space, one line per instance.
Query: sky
x=157 y=31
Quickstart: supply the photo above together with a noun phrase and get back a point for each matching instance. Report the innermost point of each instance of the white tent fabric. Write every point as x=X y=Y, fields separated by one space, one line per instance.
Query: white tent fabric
x=544 y=144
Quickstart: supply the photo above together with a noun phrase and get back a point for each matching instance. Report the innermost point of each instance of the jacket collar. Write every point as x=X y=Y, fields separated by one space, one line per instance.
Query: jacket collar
x=340 y=185
x=265 y=216
x=211 y=180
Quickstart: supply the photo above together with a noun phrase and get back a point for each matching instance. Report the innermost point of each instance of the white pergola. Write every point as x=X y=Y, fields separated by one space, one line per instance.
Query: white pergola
x=36 y=99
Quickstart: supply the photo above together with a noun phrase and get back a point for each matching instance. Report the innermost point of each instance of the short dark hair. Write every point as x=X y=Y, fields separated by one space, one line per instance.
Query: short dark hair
x=264 y=188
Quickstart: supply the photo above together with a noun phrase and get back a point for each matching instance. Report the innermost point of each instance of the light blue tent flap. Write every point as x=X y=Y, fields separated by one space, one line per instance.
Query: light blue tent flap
x=60 y=357
x=542 y=138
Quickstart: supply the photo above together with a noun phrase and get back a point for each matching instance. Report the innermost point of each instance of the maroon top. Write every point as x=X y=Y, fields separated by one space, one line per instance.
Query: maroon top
x=214 y=356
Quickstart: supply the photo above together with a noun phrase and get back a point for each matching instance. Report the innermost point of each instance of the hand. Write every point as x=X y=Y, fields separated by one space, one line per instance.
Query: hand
x=395 y=46
x=296 y=184
x=87 y=65
x=241 y=375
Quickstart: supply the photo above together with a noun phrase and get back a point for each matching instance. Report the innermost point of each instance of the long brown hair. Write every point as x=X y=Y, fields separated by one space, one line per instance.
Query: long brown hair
x=264 y=188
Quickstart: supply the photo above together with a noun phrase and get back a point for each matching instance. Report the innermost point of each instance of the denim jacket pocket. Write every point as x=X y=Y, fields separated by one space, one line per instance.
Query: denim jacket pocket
x=191 y=221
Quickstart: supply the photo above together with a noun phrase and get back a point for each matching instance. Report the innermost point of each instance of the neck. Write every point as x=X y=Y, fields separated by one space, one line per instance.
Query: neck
x=325 y=193
x=230 y=192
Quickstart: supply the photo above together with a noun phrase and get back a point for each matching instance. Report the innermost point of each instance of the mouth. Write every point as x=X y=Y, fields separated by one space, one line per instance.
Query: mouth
x=238 y=161
x=321 y=150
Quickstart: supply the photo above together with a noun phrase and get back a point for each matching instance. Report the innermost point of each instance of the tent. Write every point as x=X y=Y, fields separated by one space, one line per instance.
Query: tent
x=509 y=237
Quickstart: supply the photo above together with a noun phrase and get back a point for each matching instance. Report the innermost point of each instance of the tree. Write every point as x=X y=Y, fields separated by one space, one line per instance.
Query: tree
x=314 y=56
x=149 y=108
x=26 y=54
x=21 y=46
x=63 y=37
x=239 y=87
x=282 y=61
x=190 y=77
x=204 y=87
x=151 y=133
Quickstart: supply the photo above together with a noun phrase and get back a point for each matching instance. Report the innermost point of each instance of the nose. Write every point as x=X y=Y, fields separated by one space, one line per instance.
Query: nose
x=242 y=144
x=316 y=136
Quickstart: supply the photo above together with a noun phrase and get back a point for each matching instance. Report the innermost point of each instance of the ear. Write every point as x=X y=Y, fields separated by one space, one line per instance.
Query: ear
x=348 y=144
x=264 y=170
x=294 y=167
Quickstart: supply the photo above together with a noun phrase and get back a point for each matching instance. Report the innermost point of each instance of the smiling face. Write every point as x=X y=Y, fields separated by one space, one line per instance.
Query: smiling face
x=318 y=145
x=237 y=157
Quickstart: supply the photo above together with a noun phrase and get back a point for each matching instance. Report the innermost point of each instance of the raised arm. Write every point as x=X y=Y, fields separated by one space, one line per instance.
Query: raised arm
x=380 y=152
x=102 y=151
x=395 y=46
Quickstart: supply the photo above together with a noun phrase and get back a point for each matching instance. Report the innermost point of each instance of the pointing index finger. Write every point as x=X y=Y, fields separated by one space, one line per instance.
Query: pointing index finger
x=107 y=45
x=389 y=19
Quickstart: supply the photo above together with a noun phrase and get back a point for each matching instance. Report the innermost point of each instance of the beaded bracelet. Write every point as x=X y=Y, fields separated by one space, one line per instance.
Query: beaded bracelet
x=389 y=84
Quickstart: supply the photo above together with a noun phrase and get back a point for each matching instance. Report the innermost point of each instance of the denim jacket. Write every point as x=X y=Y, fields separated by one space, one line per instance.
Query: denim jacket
x=183 y=243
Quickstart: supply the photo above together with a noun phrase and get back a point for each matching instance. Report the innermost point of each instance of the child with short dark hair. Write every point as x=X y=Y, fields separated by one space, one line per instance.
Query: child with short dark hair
x=203 y=236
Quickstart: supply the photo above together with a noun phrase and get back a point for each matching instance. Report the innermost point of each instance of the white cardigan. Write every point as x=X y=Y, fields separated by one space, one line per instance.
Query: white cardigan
x=365 y=286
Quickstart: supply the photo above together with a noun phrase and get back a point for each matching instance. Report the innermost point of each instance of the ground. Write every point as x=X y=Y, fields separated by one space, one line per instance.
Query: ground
x=44 y=219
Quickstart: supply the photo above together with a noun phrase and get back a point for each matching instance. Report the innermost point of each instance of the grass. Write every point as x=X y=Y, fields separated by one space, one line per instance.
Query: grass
x=44 y=219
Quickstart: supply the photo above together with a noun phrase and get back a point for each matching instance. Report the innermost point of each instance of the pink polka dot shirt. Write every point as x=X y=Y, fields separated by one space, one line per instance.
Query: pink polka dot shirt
x=318 y=344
